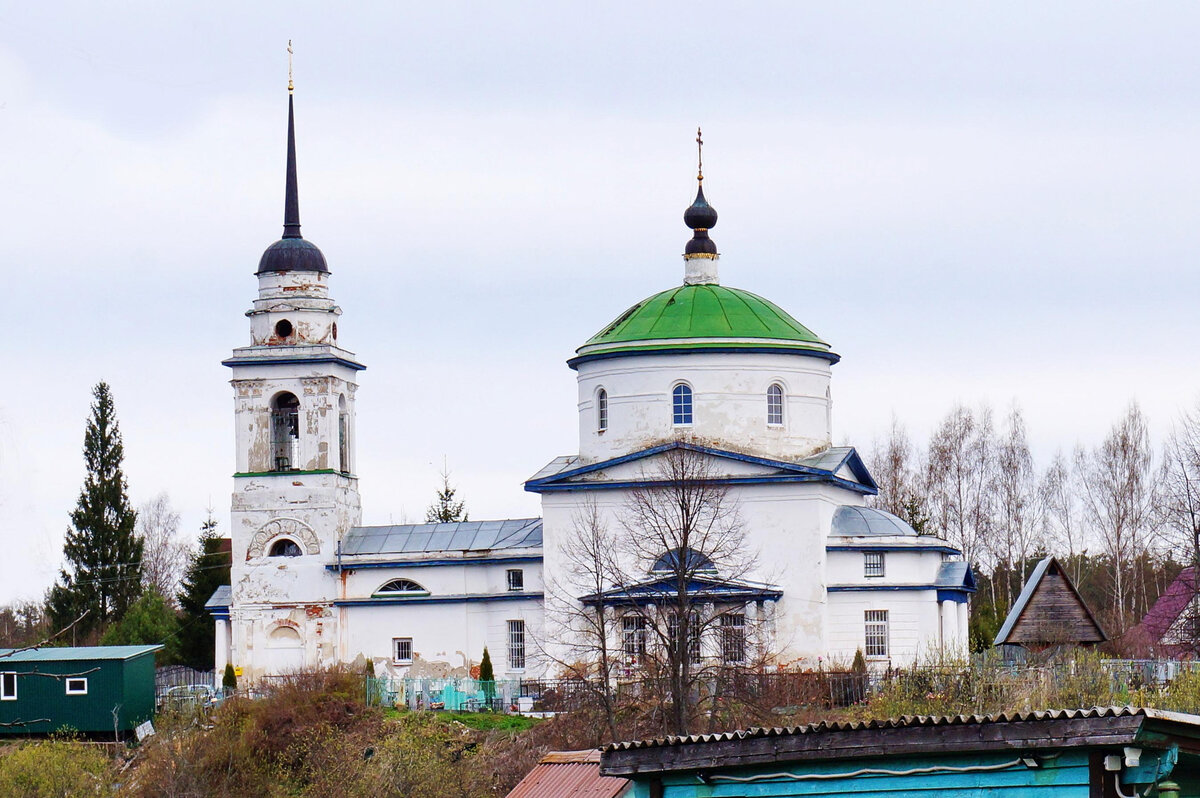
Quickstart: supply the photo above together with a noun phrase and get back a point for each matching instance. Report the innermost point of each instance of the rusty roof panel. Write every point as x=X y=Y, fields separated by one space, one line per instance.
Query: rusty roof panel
x=570 y=774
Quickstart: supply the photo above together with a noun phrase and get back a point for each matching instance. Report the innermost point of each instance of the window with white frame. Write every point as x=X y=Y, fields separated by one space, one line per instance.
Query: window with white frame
x=693 y=635
x=733 y=637
x=8 y=686
x=633 y=638
x=681 y=405
x=775 y=405
x=516 y=579
x=601 y=410
x=401 y=587
x=77 y=686
x=873 y=563
x=516 y=645
x=402 y=651
x=876 y=634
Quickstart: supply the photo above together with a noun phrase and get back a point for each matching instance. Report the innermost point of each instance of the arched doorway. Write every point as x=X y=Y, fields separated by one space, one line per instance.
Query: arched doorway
x=285 y=651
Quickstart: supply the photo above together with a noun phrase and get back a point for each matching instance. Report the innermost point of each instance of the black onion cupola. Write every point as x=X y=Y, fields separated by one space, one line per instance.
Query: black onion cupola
x=292 y=253
x=700 y=216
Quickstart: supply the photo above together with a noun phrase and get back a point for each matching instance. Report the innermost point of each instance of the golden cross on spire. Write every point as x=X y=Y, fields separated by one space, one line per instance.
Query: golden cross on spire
x=699 y=156
x=291 y=88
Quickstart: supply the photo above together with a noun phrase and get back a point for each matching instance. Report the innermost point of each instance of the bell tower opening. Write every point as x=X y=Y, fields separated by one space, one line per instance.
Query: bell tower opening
x=285 y=431
x=343 y=436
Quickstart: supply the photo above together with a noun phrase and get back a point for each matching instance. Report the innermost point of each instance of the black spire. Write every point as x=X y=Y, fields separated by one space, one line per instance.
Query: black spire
x=292 y=253
x=291 y=197
x=700 y=216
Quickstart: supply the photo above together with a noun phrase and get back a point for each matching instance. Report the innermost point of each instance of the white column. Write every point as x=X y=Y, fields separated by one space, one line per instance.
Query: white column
x=963 y=634
x=949 y=627
x=221 y=652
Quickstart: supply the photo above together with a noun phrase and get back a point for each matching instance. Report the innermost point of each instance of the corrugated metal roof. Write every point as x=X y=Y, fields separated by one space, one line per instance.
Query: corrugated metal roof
x=570 y=774
x=221 y=598
x=518 y=533
x=851 y=520
x=74 y=653
x=911 y=720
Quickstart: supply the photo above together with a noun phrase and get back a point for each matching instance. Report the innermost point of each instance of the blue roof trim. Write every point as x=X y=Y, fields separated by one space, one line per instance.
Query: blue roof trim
x=220 y=615
x=894 y=547
x=648 y=592
x=455 y=599
x=355 y=566
x=857 y=588
x=957 y=596
x=797 y=472
x=832 y=357
x=287 y=361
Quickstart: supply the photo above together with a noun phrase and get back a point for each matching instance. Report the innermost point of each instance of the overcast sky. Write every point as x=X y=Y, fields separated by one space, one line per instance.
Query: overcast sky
x=970 y=202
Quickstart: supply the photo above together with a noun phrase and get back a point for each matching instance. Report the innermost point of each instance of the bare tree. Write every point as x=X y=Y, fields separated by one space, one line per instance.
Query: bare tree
x=1179 y=485
x=1060 y=513
x=958 y=473
x=893 y=464
x=1117 y=501
x=1014 y=499
x=164 y=554
x=583 y=631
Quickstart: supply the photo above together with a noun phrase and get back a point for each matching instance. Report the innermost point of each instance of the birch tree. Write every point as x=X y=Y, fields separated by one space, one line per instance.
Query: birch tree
x=1014 y=499
x=958 y=474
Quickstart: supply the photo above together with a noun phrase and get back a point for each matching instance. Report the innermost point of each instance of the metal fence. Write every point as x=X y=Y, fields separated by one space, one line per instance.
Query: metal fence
x=180 y=676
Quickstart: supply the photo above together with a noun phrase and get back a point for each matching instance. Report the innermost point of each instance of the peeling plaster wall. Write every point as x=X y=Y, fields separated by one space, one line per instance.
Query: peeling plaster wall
x=729 y=402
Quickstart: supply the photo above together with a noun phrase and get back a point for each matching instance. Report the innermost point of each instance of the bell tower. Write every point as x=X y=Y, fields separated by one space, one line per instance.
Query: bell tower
x=295 y=493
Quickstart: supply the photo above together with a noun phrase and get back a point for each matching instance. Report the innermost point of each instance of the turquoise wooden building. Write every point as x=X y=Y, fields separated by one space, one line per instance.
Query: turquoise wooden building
x=89 y=689
x=1103 y=752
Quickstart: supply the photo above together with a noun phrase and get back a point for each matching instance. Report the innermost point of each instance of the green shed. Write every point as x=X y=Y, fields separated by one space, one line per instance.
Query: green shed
x=87 y=689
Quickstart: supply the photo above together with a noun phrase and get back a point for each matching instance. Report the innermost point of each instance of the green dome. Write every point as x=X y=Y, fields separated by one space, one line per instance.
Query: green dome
x=703 y=317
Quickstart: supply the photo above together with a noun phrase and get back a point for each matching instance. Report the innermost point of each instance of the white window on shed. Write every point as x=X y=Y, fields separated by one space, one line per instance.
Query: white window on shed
x=516 y=579
x=516 y=645
x=402 y=651
x=8 y=686
x=77 y=686
x=876 y=633
x=873 y=563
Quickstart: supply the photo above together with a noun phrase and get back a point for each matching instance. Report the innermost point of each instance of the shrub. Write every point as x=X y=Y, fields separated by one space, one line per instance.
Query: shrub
x=55 y=768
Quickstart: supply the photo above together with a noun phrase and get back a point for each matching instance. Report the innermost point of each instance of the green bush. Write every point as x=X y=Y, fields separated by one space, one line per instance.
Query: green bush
x=55 y=768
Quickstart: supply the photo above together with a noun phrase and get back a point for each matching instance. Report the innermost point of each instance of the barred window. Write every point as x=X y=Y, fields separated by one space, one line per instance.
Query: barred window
x=775 y=405
x=693 y=633
x=681 y=405
x=516 y=645
x=633 y=638
x=873 y=563
x=876 y=633
x=733 y=638
x=601 y=410
x=402 y=650
x=516 y=579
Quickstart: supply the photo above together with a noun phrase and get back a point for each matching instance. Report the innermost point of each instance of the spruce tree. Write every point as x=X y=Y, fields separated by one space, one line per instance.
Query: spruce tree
x=208 y=570
x=445 y=510
x=103 y=570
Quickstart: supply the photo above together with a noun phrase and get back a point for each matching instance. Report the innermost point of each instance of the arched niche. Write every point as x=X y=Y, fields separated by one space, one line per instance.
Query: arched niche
x=293 y=528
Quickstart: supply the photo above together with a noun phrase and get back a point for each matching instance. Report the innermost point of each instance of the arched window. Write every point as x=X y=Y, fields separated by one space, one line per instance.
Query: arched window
x=601 y=410
x=285 y=431
x=343 y=436
x=285 y=548
x=681 y=405
x=401 y=587
x=775 y=405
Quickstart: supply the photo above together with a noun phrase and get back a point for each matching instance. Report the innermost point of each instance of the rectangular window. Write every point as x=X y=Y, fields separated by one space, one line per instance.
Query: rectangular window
x=402 y=650
x=76 y=686
x=8 y=687
x=876 y=634
x=516 y=645
x=873 y=563
x=633 y=638
x=516 y=579
x=733 y=637
x=693 y=633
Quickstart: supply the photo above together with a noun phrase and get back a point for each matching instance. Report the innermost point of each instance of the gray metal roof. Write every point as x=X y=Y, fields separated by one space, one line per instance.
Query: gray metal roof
x=952 y=574
x=829 y=460
x=520 y=533
x=75 y=653
x=221 y=598
x=911 y=721
x=853 y=521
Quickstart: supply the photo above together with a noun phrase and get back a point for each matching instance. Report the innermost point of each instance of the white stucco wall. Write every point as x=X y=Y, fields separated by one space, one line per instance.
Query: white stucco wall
x=729 y=403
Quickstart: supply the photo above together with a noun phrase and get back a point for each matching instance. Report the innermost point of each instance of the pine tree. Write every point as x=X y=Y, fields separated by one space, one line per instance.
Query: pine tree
x=445 y=510
x=487 y=677
x=102 y=574
x=208 y=570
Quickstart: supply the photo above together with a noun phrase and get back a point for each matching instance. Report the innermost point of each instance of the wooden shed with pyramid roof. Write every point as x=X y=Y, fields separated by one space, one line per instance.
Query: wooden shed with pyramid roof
x=1049 y=612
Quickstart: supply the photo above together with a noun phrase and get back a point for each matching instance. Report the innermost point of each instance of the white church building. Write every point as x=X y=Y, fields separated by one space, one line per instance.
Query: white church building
x=717 y=372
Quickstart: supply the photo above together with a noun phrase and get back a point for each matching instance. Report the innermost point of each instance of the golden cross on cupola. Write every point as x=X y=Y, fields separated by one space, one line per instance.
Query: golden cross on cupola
x=291 y=88
x=699 y=156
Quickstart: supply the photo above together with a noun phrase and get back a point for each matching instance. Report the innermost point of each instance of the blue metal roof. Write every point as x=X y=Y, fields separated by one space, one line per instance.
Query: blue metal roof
x=853 y=521
x=221 y=598
x=955 y=574
x=75 y=653
x=521 y=533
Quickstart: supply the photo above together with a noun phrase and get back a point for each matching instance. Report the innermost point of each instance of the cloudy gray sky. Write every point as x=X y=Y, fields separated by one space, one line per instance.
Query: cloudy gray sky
x=969 y=201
